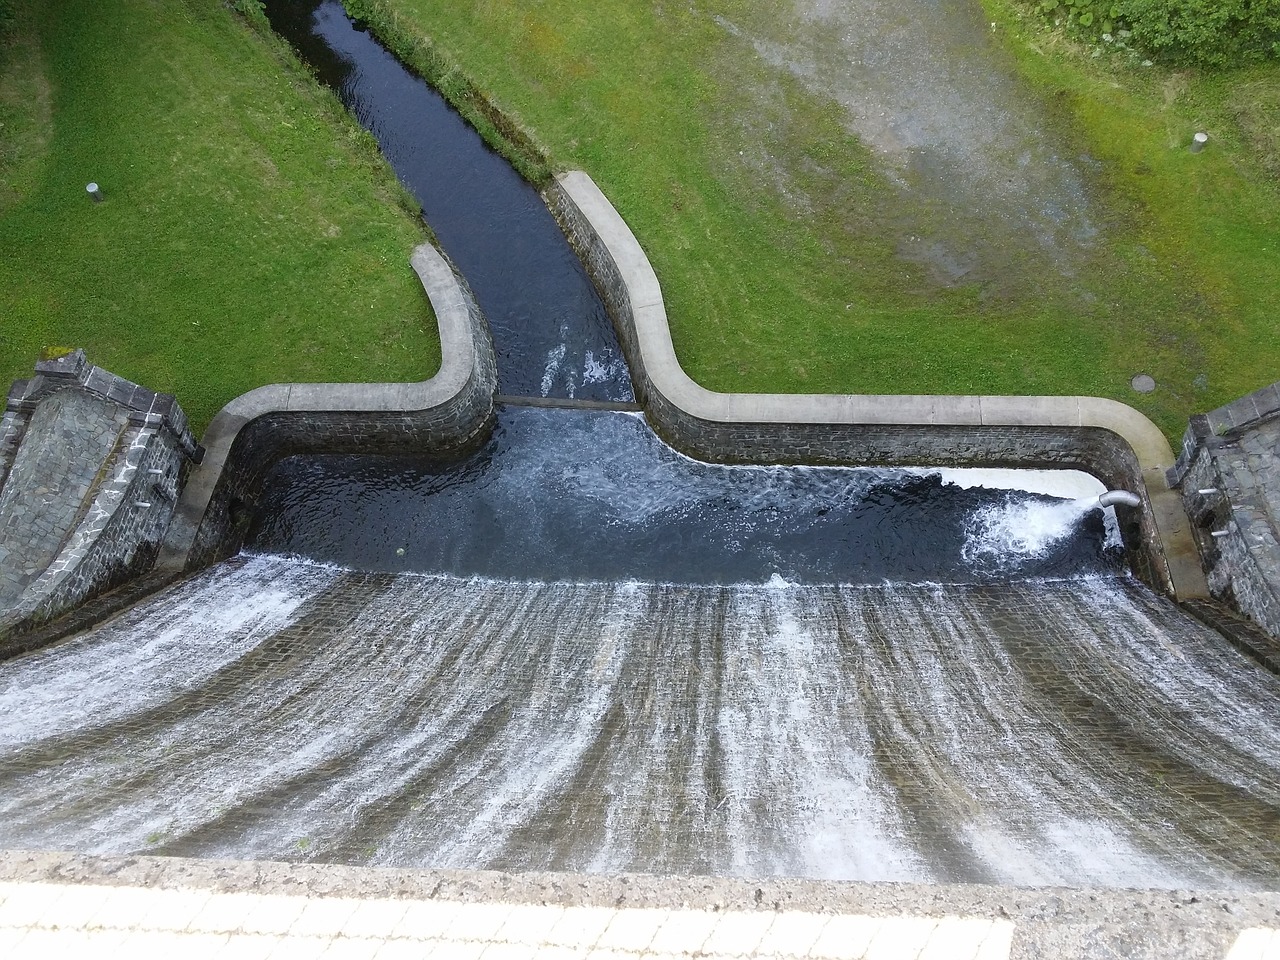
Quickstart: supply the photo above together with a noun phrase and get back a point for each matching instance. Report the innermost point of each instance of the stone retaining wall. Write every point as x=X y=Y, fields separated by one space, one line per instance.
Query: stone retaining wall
x=1229 y=477
x=1103 y=437
x=452 y=411
x=107 y=526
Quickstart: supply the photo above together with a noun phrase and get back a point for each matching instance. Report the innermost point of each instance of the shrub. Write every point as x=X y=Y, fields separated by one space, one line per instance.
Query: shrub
x=1211 y=32
x=1214 y=33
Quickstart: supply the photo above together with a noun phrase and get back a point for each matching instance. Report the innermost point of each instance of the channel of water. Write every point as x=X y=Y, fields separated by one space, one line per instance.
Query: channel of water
x=551 y=332
x=580 y=650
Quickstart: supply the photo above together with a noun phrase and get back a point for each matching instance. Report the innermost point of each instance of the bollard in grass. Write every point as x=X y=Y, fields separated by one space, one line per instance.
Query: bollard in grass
x=95 y=191
x=1198 y=142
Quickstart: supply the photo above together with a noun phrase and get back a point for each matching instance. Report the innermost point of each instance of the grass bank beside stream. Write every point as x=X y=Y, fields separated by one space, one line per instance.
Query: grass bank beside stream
x=251 y=232
x=777 y=235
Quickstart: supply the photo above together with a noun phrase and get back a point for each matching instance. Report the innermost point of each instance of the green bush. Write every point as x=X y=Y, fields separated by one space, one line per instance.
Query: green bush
x=1214 y=33
x=251 y=10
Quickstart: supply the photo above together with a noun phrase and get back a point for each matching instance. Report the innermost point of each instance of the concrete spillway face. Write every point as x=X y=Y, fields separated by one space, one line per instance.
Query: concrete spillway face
x=1077 y=732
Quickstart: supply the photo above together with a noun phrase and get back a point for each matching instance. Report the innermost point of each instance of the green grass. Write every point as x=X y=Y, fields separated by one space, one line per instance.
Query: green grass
x=251 y=233
x=775 y=235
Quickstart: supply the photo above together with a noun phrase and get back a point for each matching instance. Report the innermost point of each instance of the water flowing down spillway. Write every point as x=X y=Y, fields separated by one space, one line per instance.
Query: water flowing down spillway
x=1075 y=731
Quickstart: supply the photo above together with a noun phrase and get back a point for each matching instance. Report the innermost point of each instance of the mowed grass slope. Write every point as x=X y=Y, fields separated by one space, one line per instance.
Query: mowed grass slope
x=776 y=235
x=251 y=233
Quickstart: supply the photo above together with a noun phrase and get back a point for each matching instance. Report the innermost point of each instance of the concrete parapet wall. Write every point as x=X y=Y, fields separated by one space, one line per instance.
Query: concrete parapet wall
x=1229 y=477
x=451 y=411
x=91 y=469
x=1106 y=438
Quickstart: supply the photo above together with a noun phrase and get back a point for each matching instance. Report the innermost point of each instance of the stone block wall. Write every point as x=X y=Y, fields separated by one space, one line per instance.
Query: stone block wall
x=1229 y=477
x=13 y=426
x=109 y=527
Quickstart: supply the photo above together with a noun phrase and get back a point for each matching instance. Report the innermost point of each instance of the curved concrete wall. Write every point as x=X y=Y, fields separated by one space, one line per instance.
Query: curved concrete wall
x=451 y=411
x=1108 y=439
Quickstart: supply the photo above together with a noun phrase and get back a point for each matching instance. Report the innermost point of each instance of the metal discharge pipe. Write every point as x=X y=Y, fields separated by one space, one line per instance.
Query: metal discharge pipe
x=1117 y=497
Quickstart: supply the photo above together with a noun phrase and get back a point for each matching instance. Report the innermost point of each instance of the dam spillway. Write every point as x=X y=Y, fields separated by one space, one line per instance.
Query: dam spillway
x=579 y=650
x=1076 y=731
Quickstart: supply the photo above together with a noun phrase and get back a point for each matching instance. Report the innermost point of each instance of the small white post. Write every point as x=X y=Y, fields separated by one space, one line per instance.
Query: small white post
x=1198 y=142
x=95 y=191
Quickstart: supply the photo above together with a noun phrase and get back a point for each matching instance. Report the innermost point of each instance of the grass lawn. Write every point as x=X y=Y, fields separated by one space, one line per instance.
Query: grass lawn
x=777 y=235
x=250 y=234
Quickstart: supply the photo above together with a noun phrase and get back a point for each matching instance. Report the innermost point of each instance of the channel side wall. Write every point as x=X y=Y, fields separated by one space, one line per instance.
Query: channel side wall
x=1229 y=477
x=452 y=411
x=1103 y=437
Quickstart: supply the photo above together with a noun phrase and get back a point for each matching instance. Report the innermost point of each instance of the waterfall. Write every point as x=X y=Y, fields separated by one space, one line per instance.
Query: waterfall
x=1077 y=731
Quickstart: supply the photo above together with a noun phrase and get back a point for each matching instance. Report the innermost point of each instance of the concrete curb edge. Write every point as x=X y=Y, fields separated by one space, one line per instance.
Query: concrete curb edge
x=663 y=375
x=459 y=362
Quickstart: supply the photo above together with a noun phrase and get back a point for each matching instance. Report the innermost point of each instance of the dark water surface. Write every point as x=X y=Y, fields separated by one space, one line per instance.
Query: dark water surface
x=593 y=495
x=550 y=330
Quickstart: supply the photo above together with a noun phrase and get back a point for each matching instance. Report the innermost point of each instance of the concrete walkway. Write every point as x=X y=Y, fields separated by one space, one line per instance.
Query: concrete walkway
x=68 y=906
x=40 y=920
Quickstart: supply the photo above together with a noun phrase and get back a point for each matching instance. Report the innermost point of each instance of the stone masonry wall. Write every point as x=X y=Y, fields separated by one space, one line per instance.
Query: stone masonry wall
x=13 y=426
x=72 y=438
x=112 y=525
x=1229 y=477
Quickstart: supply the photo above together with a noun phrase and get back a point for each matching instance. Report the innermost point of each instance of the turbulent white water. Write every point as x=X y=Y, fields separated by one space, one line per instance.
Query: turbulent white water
x=1006 y=535
x=1055 y=732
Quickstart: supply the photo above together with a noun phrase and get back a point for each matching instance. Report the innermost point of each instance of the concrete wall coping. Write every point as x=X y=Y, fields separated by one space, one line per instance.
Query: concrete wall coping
x=667 y=378
x=457 y=365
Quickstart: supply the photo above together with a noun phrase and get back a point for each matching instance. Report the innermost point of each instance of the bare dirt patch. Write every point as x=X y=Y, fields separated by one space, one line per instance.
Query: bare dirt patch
x=983 y=185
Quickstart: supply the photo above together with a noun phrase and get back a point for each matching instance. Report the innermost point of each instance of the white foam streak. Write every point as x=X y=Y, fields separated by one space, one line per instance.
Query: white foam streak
x=146 y=656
